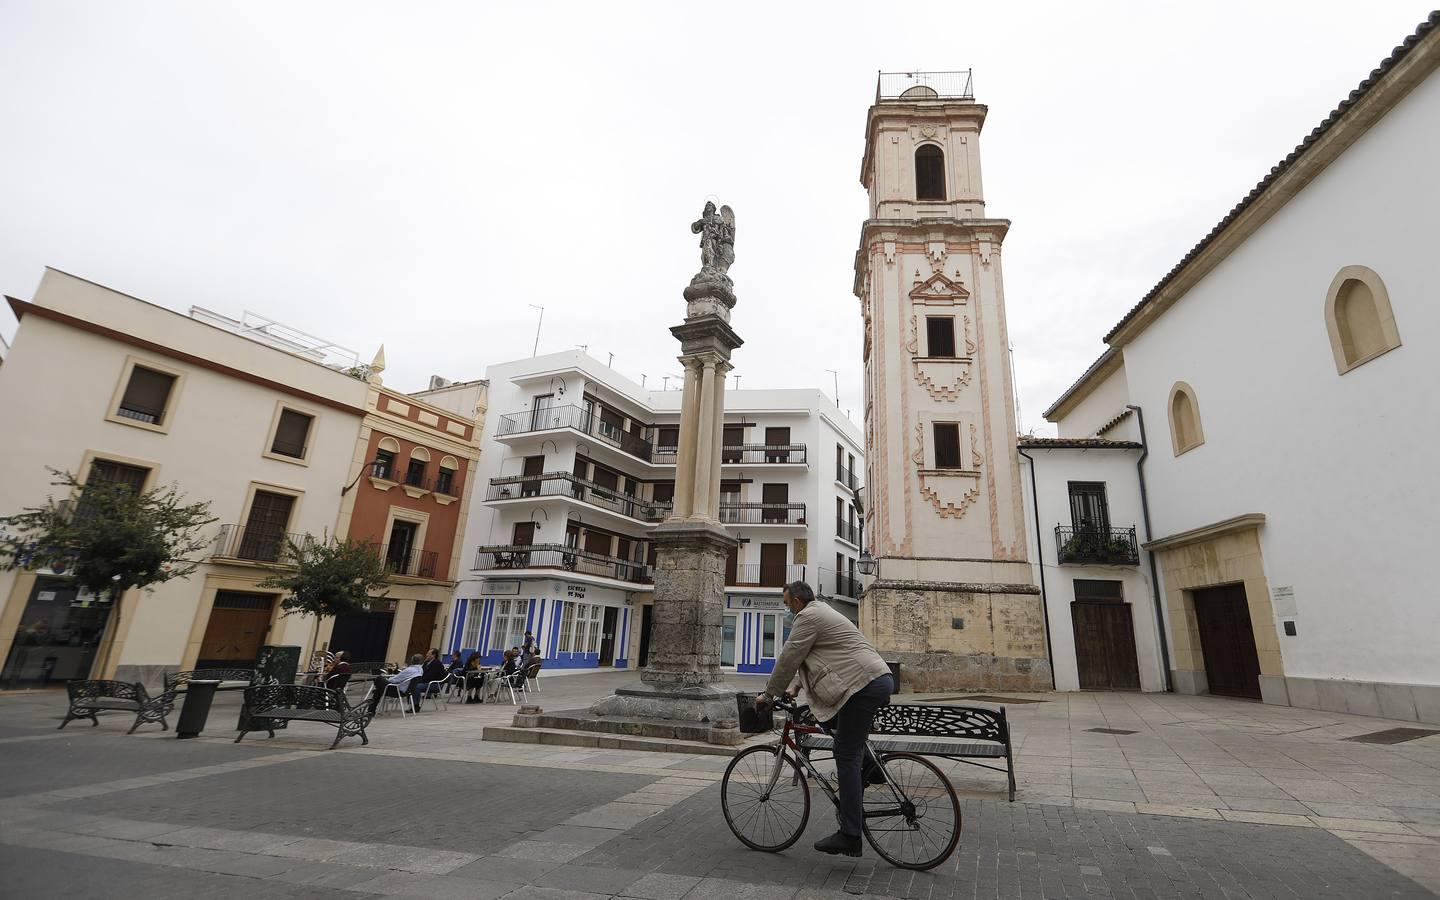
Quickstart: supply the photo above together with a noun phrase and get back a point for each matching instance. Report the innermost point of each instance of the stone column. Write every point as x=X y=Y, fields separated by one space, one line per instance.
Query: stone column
x=684 y=505
x=707 y=489
x=717 y=454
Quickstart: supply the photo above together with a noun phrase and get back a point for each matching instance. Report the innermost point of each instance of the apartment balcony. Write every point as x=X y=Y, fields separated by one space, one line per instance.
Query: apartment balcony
x=517 y=558
x=574 y=418
x=847 y=531
x=570 y=487
x=1097 y=546
x=412 y=563
x=758 y=575
x=839 y=584
x=777 y=455
x=762 y=513
x=846 y=478
x=257 y=544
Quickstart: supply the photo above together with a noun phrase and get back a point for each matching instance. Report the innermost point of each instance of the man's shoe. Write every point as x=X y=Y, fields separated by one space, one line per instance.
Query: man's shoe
x=839 y=843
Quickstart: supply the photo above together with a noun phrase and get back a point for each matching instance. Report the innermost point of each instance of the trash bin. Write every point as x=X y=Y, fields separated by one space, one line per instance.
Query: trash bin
x=198 y=697
x=894 y=675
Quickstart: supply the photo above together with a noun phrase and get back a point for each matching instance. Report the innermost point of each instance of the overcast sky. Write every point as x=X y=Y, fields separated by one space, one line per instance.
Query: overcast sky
x=417 y=174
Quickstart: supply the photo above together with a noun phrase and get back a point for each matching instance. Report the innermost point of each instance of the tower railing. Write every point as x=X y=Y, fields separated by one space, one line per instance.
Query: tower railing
x=924 y=86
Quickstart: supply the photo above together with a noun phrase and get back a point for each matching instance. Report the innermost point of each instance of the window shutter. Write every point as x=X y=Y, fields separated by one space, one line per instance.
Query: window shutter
x=291 y=434
x=947 y=445
x=146 y=395
x=940 y=336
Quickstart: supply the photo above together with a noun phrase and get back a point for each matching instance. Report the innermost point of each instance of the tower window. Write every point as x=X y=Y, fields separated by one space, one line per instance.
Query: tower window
x=940 y=336
x=929 y=173
x=947 y=445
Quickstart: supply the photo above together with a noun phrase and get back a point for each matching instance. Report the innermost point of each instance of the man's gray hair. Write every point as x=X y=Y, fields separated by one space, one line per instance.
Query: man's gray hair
x=416 y=660
x=801 y=591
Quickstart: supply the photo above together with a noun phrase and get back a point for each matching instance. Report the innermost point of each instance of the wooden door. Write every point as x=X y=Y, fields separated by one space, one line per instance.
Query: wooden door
x=524 y=534
x=777 y=437
x=597 y=542
x=534 y=466
x=1105 y=647
x=732 y=566
x=733 y=437
x=772 y=565
x=1227 y=641
x=607 y=637
x=236 y=631
x=422 y=628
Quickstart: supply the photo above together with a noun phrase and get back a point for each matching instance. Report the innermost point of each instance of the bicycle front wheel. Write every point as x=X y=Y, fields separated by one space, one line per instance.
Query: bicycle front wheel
x=914 y=820
x=762 y=817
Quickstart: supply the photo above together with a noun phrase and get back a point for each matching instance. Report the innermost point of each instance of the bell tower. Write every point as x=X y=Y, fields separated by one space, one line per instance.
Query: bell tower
x=954 y=598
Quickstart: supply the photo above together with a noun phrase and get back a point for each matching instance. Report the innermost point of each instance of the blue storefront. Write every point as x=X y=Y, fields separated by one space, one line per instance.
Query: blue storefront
x=578 y=626
x=753 y=632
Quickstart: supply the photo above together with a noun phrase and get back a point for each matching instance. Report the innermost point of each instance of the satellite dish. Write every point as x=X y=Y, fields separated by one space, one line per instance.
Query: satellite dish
x=920 y=92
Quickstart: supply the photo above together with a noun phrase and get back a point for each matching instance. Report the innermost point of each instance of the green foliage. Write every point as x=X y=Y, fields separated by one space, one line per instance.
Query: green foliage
x=330 y=578
x=361 y=372
x=110 y=537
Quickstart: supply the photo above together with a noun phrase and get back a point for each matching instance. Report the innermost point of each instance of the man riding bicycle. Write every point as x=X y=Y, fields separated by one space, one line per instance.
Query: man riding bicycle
x=845 y=681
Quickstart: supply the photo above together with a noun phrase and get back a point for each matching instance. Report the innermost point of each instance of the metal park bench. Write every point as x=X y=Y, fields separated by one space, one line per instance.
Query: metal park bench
x=91 y=696
x=267 y=703
x=961 y=733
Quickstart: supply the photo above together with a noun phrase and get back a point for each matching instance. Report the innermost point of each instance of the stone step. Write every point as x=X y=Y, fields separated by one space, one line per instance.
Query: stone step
x=562 y=737
x=633 y=726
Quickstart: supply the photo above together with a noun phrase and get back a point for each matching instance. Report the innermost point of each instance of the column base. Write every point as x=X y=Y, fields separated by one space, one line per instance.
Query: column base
x=689 y=703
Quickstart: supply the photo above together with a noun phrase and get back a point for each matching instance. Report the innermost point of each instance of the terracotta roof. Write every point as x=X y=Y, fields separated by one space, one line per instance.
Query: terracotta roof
x=1284 y=165
x=1109 y=354
x=1059 y=443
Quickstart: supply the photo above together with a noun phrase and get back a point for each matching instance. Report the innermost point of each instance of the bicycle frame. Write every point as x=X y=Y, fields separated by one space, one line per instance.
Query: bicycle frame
x=802 y=755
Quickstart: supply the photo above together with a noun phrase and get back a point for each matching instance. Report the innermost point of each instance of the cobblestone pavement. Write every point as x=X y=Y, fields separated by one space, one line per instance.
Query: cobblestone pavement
x=429 y=810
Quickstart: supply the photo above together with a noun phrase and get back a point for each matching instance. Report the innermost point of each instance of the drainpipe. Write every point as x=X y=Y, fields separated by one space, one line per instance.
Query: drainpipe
x=1154 y=575
x=1040 y=553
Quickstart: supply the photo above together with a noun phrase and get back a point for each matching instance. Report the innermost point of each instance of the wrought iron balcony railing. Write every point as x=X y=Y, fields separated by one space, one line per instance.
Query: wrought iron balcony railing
x=757 y=575
x=742 y=454
x=578 y=418
x=846 y=477
x=847 y=531
x=558 y=556
x=258 y=544
x=563 y=484
x=1098 y=546
x=839 y=584
x=399 y=560
x=762 y=513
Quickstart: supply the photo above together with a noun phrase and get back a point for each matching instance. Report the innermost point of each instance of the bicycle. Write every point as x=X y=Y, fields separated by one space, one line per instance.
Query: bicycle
x=912 y=816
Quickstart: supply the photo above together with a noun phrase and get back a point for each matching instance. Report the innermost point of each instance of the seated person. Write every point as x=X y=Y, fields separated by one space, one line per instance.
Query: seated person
x=340 y=666
x=508 y=668
x=431 y=670
x=474 y=678
x=410 y=674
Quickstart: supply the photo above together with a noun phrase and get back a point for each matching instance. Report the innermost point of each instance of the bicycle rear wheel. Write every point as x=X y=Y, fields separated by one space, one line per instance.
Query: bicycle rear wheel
x=913 y=821
x=764 y=819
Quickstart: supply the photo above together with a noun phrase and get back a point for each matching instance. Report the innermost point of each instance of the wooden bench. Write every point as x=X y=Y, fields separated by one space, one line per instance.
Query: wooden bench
x=961 y=733
x=91 y=696
x=267 y=703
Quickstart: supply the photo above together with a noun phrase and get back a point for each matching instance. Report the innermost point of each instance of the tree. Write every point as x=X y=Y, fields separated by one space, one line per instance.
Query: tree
x=110 y=537
x=330 y=578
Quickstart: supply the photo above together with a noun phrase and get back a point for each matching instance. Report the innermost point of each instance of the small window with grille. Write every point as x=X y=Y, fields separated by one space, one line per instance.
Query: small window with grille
x=947 y=445
x=292 y=434
x=146 y=397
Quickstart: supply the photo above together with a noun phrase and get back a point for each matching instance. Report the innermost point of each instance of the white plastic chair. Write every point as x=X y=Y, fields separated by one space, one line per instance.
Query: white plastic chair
x=401 y=695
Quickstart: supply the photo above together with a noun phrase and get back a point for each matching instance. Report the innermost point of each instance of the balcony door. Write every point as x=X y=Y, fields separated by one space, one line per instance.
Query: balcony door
x=265 y=527
x=734 y=437
x=401 y=548
x=534 y=467
x=773 y=560
x=1089 y=510
x=775 y=498
x=540 y=412
x=777 y=437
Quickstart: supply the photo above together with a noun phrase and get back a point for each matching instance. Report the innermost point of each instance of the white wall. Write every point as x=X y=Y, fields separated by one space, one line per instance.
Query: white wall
x=1116 y=468
x=1106 y=400
x=1342 y=466
x=56 y=389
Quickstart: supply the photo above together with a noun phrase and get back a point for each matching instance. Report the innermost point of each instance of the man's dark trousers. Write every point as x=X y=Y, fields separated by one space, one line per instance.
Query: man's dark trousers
x=851 y=727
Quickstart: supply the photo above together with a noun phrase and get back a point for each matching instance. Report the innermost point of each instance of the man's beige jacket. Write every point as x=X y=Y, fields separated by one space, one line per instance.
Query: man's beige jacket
x=831 y=657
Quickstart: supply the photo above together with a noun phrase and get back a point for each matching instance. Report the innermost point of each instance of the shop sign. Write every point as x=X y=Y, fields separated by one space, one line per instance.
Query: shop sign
x=575 y=591
x=500 y=586
x=759 y=602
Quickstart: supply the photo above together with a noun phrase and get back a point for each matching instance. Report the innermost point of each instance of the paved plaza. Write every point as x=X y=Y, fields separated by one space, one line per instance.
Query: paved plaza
x=1180 y=796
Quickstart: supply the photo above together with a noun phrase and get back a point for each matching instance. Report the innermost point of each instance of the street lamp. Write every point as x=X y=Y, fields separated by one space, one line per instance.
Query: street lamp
x=369 y=467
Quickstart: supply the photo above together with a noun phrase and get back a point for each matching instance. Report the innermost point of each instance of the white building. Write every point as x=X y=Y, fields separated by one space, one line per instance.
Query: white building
x=578 y=464
x=1286 y=370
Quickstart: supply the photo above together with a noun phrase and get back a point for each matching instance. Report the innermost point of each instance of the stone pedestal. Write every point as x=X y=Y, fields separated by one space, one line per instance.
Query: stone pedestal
x=950 y=636
x=683 y=680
